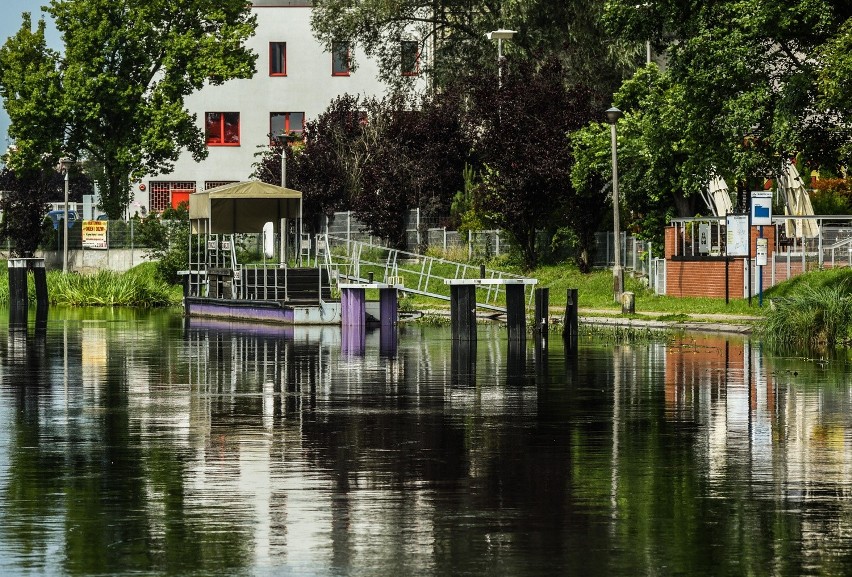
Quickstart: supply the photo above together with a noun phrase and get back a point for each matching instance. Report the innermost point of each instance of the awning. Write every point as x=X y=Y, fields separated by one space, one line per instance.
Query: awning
x=242 y=207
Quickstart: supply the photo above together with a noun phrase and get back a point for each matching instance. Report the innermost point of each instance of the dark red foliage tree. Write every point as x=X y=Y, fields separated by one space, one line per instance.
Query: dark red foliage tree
x=24 y=203
x=522 y=130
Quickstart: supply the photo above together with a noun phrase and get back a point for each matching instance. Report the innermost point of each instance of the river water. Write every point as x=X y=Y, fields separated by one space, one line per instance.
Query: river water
x=137 y=444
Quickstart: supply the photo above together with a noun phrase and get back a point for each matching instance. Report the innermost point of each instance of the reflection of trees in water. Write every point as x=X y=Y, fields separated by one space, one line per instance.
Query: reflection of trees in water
x=230 y=447
x=79 y=473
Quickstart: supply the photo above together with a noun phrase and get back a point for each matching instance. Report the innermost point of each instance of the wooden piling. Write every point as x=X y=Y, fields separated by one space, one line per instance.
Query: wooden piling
x=571 y=322
x=388 y=307
x=463 y=311
x=542 y=310
x=516 y=317
x=18 y=287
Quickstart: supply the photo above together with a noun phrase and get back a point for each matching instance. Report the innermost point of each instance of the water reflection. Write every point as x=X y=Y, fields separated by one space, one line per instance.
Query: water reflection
x=141 y=443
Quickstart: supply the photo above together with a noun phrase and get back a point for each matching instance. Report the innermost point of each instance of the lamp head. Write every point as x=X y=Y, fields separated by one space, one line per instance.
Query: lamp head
x=501 y=34
x=613 y=114
x=65 y=164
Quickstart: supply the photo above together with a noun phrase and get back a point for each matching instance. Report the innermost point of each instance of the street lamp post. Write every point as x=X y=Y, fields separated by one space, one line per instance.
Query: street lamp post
x=64 y=167
x=500 y=35
x=612 y=116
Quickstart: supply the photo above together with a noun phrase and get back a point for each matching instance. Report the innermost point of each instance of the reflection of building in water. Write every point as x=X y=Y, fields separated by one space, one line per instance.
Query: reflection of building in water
x=757 y=420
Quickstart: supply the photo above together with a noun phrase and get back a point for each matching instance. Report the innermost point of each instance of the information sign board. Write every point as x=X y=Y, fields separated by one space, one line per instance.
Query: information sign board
x=736 y=226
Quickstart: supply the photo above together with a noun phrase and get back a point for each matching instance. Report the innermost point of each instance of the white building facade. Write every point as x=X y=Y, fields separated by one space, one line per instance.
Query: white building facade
x=296 y=79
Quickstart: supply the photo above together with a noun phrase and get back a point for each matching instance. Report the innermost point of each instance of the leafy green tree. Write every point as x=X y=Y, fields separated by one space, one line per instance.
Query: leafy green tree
x=117 y=93
x=451 y=36
x=31 y=88
x=167 y=235
x=835 y=81
x=659 y=175
x=749 y=72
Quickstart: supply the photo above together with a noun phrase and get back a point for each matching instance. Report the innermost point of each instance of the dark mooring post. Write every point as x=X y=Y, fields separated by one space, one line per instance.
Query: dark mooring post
x=388 y=307
x=40 y=281
x=542 y=308
x=18 y=303
x=516 y=316
x=463 y=311
x=571 y=324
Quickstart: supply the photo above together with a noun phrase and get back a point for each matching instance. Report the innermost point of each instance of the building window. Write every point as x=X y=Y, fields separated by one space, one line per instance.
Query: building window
x=281 y=123
x=410 y=58
x=278 y=59
x=165 y=194
x=340 y=56
x=222 y=128
x=208 y=184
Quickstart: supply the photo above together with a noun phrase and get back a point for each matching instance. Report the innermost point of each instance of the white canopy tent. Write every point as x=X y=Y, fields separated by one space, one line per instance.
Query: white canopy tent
x=717 y=197
x=245 y=207
x=242 y=207
x=796 y=203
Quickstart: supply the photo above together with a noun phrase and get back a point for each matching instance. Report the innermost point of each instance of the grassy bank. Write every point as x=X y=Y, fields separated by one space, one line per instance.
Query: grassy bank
x=139 y=287
x=811 y=312
x=595 y=292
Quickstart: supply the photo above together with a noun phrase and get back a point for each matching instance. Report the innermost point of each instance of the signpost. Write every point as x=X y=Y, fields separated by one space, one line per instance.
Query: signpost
x=761 y=215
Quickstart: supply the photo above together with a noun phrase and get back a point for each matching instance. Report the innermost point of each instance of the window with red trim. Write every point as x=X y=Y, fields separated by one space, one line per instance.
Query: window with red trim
x=410 y=57
x=222 y=128
x=282 y=123
x=278 y=59
x=340 y=58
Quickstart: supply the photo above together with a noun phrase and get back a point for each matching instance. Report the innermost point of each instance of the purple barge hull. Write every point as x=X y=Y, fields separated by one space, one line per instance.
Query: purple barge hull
x=264 y=311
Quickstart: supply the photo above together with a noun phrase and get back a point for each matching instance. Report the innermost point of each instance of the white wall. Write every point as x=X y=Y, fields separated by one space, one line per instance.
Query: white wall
x=308 y=87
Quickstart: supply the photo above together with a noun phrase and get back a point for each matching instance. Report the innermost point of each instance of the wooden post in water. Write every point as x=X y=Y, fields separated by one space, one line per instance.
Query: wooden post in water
x=388 y=308
x=463 y=311
x=571 y=323
x=18 y=287
x=542 y=308
x=516 y=317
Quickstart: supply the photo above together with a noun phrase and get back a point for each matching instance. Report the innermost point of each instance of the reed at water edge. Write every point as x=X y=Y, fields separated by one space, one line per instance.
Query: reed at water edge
x=139 y=287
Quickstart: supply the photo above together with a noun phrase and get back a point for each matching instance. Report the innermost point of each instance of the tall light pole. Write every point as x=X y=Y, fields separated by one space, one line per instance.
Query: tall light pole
x=64 y=167
x=500 y=35
x=612 y=116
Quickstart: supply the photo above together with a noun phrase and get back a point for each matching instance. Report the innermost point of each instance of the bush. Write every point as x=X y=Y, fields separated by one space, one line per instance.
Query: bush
x=815 y=317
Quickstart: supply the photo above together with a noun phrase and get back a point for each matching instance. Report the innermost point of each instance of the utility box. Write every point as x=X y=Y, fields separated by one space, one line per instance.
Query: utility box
x=704 y=237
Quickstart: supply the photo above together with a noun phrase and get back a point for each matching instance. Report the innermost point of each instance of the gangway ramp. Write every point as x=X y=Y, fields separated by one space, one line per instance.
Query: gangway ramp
x=416 y=274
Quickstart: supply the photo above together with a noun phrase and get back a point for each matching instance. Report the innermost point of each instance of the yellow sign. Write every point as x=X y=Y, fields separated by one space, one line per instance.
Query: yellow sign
x=95 y=234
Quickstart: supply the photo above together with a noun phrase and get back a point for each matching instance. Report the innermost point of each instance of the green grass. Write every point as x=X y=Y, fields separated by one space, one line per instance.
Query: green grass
x=811 y=312
x=595 y=291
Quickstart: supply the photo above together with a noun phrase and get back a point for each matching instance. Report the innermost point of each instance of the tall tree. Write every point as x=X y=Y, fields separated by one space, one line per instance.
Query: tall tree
x=452 y=42
x=523 y=129
x=749 y=72
x=31 y=88
x=126 y=69
x=325 y=165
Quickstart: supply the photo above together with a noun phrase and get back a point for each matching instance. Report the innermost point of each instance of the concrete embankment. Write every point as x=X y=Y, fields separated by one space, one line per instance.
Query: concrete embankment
x=718 y=323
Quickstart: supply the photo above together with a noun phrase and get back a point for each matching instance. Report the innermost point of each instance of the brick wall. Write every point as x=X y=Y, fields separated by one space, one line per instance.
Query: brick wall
x=705 y=276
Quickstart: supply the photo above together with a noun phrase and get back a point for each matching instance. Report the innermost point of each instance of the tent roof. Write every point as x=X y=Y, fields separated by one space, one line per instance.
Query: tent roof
x=243 y=206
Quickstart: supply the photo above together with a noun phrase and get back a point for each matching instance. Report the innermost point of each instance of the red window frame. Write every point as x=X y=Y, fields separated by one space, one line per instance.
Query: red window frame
x=288 y=127
x=337 y=48
x=405 y=53
x=278 y=58
x=222 y=128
